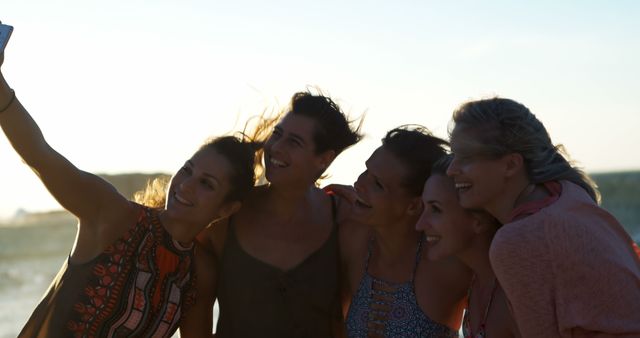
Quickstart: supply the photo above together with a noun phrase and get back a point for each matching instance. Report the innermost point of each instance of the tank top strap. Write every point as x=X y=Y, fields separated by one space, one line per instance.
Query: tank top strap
x=418 y=257
x=334 y=207
x=334 y=212
x=230 y=241
x=369 y=249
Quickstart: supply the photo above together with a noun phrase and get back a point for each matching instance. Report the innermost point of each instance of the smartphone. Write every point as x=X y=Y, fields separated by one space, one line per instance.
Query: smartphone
x=5 y=33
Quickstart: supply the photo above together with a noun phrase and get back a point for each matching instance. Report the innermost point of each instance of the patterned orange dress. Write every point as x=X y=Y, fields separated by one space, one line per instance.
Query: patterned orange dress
x=138 y=287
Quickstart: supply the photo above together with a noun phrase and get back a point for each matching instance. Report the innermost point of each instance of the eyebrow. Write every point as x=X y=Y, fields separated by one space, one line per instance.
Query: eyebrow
x=217 y=181
x=376 y=177
x=299 y=138
x=292 y=135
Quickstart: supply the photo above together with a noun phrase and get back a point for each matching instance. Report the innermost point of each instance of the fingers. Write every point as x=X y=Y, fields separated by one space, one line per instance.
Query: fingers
x=344 y=191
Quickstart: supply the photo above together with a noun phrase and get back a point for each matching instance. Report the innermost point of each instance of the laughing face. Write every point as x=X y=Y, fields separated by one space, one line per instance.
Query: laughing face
x=198 y=190
x=289 y=153
x=479 y=176
x=448 y=227
x=382 y=198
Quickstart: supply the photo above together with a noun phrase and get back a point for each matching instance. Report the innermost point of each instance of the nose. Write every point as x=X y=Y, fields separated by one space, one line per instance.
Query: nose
x=453 y=168
x=422 y=224
x=274 y=143
x=359 y=183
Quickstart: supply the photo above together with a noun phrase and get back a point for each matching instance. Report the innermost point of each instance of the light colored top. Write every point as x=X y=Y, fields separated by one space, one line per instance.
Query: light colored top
x=569 y=270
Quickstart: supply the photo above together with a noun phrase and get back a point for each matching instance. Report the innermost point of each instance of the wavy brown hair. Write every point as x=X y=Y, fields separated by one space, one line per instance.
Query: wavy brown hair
x=239 y=150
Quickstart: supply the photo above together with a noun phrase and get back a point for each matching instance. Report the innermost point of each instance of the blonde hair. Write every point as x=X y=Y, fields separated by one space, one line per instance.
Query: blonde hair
x=154 y=194
x=501 y=126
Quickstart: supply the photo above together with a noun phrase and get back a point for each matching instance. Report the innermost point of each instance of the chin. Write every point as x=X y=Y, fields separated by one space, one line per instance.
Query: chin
x=438 y=253
x=434 y=256
x=469 y=203
x=272 y=175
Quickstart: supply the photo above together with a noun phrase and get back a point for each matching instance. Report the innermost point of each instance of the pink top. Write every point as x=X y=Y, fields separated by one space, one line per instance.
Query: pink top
x=569 y=270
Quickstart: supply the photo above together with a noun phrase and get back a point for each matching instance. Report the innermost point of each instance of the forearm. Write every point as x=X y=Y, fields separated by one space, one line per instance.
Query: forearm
x=20 y=129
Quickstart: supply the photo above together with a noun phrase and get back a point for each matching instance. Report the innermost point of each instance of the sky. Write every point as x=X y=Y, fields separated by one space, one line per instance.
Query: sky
x=136 y=86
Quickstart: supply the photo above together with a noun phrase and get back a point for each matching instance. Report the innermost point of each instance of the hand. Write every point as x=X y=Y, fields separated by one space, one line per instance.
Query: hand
x=345 y=191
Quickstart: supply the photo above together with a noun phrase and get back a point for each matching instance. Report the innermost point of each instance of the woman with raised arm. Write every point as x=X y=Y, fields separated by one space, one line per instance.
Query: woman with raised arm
x=132 y=270
x=567 y=266
x=453 y=231
x=278 y=256
x=391 y=288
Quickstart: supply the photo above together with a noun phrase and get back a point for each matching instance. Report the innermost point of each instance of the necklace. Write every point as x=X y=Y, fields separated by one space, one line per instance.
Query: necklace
x=466 y=325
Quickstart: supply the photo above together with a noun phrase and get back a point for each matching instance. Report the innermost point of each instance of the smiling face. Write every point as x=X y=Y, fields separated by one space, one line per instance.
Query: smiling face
x=448 y=227
x=197 y=191
x=289 y=153
x=479 y=176
x=382 y=198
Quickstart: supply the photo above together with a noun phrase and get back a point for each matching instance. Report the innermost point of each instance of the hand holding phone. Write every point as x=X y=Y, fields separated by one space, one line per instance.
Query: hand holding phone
x=5 y=33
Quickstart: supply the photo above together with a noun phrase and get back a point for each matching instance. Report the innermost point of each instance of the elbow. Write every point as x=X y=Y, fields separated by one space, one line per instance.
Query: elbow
x=37 y=156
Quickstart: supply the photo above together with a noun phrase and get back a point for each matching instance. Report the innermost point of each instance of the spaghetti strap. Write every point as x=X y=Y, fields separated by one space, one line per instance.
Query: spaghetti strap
x=369 y=249
x=466 y=320
x=334 y=209
x=418 y=256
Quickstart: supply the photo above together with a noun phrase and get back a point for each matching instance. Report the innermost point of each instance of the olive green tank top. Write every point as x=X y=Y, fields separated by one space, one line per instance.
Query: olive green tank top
x=260 y=300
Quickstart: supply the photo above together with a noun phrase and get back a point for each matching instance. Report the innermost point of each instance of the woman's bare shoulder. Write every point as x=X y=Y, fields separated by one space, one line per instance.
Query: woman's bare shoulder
x=212 y=238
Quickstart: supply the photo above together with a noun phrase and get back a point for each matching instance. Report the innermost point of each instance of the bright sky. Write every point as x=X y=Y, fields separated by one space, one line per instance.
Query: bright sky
x=124 y=86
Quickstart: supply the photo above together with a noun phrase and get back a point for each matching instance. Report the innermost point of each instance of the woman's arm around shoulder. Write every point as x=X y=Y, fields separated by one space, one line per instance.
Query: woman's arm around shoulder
x=198 y=320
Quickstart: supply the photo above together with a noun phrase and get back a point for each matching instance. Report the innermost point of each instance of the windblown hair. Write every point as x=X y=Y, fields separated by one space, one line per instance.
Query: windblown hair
x=154 y=195
x=240 y=153
x=333 y=130
x=501 y=126
x=418 y=150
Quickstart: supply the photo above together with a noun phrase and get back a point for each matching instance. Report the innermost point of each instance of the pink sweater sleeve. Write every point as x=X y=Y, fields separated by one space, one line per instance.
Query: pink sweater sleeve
x=522 y=264
x=569 y=271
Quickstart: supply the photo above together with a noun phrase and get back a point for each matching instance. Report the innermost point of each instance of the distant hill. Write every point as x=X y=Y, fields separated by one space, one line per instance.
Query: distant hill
x=129 y=184
x=621 y=197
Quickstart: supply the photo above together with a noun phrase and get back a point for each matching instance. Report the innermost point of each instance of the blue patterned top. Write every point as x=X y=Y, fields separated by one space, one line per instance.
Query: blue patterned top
x=383 y=309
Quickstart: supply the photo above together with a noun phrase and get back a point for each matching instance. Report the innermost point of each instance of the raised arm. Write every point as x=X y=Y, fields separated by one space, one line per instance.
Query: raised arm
x=91 y=199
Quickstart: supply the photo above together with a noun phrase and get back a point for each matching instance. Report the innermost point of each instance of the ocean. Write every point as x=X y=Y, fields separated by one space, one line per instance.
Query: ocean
x=30 y=256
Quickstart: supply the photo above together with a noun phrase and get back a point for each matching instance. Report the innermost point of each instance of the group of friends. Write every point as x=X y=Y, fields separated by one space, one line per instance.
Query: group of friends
x=493 y=231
